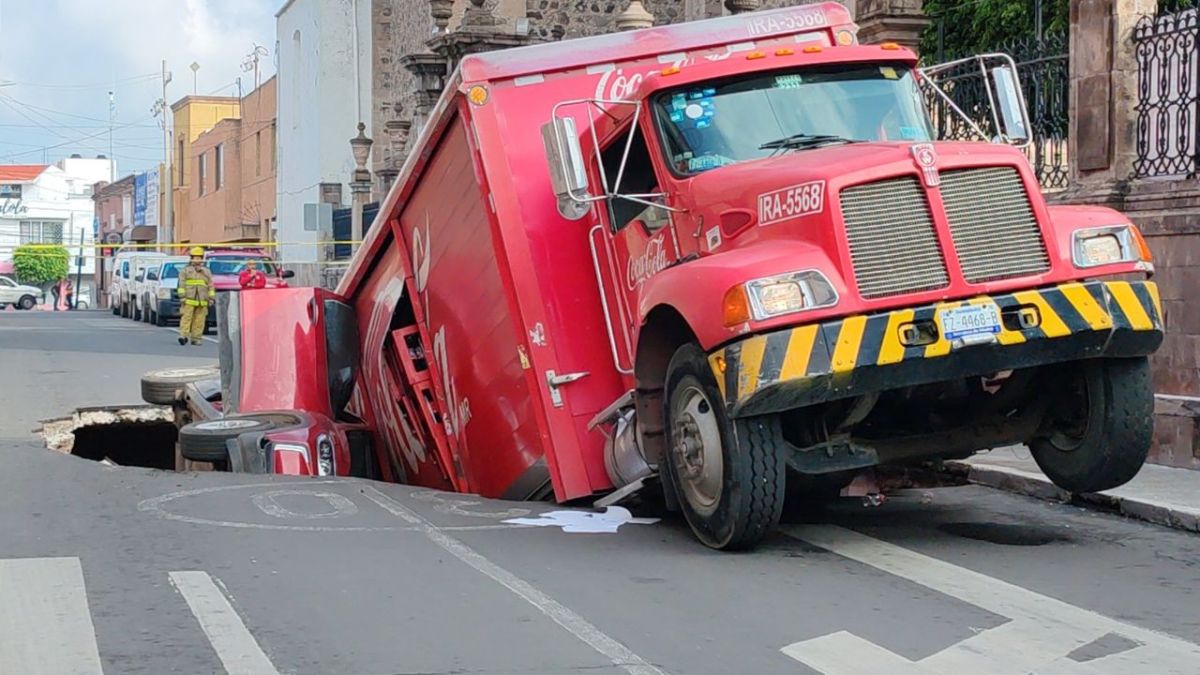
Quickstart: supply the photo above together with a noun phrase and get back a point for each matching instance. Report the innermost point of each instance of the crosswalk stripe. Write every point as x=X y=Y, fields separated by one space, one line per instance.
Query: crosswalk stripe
x=45 y=624
x=1037 y=622
x=236 y=648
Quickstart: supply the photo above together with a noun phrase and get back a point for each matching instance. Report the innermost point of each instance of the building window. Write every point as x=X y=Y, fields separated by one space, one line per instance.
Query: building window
x=258 y=153
x=219 y=169
x=201 y=171
x=179 y=160
x=41 y=232
x=273 y=144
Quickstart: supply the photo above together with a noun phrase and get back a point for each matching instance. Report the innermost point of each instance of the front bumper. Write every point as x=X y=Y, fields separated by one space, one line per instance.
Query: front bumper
x=811 y=364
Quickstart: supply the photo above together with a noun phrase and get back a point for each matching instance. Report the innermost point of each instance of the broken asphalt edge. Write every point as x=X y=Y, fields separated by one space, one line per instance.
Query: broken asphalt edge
x=1035 y=485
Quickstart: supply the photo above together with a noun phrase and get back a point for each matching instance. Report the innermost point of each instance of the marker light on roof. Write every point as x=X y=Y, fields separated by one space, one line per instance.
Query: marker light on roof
x=845 y=38
x=477 y=94
x=813 y=49
x=755 y=55
x=891 y=46
x=784 y=51
x=673 y=70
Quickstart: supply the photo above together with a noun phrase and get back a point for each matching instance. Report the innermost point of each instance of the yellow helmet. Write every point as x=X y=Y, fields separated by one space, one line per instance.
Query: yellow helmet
x=196 y=252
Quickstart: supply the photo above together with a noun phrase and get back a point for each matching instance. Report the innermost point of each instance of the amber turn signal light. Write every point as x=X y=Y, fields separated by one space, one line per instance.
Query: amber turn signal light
x=735 y=308
x=1143 y=247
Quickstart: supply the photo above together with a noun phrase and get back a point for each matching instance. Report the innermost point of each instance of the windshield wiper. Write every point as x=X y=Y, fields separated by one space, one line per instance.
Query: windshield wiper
x=803 y=141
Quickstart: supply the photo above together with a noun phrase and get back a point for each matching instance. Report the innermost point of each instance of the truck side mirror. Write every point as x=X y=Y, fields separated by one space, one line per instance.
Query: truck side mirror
x=1013 y=118
x=287 y=274
x=564 y=155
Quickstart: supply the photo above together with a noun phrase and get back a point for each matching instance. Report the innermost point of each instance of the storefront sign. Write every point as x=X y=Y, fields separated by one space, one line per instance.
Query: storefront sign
x=139 y=199
x=12 y=207
x=150 y=217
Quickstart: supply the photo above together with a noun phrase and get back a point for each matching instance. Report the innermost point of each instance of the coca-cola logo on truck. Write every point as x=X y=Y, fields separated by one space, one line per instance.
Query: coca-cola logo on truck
x=652 y=260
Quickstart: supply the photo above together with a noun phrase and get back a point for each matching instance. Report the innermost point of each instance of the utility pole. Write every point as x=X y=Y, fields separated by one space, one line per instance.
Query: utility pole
x=112 y=164
x=166 y=176
x=195 y=69
x=79 y=275
x=250 y=63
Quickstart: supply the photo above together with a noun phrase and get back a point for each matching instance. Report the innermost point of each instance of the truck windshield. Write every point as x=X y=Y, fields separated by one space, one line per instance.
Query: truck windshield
x=171 y=270
x=711 y=124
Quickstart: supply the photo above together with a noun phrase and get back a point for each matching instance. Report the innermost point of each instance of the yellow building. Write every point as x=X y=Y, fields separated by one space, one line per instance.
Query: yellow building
x=193 y=115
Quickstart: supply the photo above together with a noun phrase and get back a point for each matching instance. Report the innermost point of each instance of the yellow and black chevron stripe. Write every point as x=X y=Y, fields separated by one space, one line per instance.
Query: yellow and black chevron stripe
x=827 y=360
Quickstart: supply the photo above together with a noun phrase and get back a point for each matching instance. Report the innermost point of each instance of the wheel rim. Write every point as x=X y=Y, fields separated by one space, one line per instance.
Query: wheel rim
x=226 y=425
x=696 y=450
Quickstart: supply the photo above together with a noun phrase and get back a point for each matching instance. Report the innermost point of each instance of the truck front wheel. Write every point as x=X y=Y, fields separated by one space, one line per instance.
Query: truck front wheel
x=1098 y=432
x=729 y=475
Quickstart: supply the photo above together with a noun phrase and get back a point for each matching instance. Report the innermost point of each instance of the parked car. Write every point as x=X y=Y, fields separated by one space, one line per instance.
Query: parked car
x=226 y=264
x=18 y=295
x=126 y=265
x=161 y=300
x=138 y=296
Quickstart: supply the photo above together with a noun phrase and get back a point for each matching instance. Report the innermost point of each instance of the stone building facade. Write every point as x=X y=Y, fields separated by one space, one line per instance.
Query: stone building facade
x=415 y=42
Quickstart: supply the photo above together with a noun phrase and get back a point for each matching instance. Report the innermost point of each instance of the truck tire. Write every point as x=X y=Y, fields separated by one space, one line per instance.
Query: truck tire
x=204 y=441
x=116 y=310
x=26 y=302
x=729 y=475
x=159 y=386
x=1098 y=435
x=136 y=310
x=157 y=319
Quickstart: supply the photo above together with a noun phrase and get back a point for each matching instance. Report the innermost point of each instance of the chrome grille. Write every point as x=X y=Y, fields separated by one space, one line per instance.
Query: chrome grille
x=892 y=241
x=995 y=233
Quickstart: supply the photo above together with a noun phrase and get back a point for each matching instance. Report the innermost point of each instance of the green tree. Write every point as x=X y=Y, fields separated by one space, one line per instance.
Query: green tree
x=39 y=264
x=972 y=26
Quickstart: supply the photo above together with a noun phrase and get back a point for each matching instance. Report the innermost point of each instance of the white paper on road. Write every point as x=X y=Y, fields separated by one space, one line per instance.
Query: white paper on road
x=1041 y=632
x=45 y=624
x=585 y=521
x=235 y=646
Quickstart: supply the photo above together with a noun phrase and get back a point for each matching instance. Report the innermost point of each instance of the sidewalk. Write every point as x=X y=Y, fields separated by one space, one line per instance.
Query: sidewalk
x=1159 y=494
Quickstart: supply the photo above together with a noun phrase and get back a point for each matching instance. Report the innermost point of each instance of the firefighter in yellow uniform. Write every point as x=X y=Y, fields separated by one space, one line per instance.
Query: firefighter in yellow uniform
x=195 y=291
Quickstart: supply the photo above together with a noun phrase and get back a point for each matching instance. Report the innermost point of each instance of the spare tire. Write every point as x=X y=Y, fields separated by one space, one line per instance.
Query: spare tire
x=204 y=441
x=160 y=386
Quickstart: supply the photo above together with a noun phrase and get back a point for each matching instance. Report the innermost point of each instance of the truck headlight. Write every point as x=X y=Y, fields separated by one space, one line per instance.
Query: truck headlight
x=1096 y=246
x=325 y=464
x=163 y=293
x=788 y=293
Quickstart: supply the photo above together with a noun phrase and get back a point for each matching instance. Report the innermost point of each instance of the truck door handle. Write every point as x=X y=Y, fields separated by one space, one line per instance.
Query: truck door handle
x=555 y=381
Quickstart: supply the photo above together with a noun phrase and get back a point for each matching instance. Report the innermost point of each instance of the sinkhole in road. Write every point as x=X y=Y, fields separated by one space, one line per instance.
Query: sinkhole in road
x=141 y=436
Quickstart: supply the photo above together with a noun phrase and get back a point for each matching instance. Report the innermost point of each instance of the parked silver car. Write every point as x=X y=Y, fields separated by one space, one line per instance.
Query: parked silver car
x=18 y=295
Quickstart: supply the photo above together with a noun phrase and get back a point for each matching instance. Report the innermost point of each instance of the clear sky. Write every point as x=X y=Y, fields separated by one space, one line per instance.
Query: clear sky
x=63 y=56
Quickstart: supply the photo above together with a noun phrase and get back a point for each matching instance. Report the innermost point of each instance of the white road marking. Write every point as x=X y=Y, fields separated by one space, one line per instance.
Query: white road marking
x=576 y=625
x=1042 y=630
x=236 y=648
x=340 y=505
x=45 y=624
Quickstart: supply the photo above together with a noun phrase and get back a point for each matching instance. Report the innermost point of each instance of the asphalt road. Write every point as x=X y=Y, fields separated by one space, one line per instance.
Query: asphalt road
x=126 y=570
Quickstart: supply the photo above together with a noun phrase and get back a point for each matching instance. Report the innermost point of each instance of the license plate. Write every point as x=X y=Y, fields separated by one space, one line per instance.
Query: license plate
x=969 y=320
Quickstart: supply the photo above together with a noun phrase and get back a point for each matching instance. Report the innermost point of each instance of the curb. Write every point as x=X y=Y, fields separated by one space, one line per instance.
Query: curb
x=1036 y=485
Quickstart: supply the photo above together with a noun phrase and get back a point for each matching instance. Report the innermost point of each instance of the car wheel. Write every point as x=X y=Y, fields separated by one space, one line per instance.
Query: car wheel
x=160 y=386
x=1098 y=432
x=136 y=311
x=26 y=302
x=204 y=441
x=728 y=475
x=116 y=310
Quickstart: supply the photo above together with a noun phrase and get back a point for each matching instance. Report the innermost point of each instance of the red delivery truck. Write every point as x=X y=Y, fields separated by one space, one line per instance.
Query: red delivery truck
x=718 y=257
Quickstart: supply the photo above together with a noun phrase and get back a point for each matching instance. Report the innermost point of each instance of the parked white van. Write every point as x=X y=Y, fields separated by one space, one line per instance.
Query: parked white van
x=126 y=265
x=158 y=302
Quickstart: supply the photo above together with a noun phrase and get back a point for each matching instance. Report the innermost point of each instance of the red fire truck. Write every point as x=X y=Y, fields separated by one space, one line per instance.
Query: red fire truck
x=728 y=258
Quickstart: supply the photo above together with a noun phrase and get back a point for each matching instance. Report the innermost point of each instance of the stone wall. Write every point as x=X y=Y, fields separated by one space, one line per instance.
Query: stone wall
x=566 y=19
x=1104 y=148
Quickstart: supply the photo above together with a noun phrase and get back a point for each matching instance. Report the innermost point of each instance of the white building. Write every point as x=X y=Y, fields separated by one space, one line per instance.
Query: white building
x=324 y=70
x=52 y=204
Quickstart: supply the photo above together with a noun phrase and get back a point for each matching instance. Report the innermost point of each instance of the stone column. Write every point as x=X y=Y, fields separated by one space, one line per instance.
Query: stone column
x=899 y=21
x=430 y=71
x=1103 y=74
x=634 y=17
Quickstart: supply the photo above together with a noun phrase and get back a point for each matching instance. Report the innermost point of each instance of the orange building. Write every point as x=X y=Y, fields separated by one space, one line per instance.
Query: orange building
x=225 y=189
